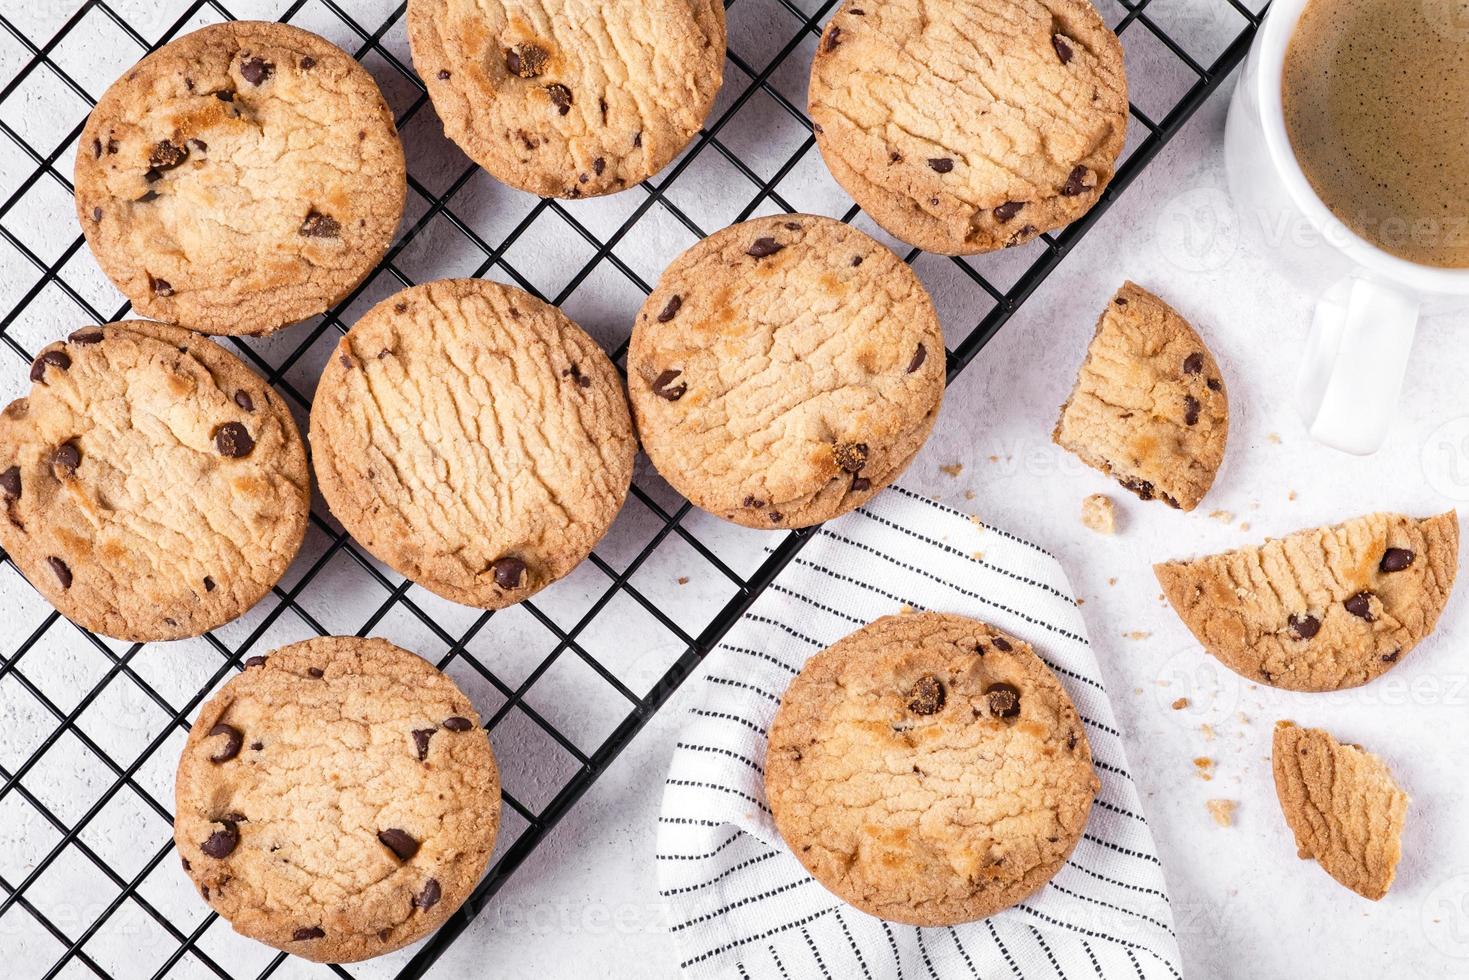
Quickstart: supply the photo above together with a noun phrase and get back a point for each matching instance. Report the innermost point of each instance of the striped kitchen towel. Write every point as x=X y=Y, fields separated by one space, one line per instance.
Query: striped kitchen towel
x=740 y=905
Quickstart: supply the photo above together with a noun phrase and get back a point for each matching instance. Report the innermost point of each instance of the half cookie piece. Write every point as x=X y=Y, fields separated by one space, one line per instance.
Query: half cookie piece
x=1323 y=609
x=929 y=769
x=473 y=438
x=337 y=800
x=1149 y=407
x=1343 y=806
x=785 y=370
x=152 y=487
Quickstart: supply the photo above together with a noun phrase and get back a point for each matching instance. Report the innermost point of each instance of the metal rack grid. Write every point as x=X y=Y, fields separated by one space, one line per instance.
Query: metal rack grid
x=110 y=722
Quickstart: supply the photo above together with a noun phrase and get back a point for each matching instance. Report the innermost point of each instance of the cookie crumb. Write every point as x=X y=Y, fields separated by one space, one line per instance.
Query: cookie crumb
x=1204 y=768
x=1111 y=581
x=1274 y=438
x=1222 y=811
x=953 y=469
x=978 y=556
x=1099 y=514
x=1244 y=525
x=683 y=580
x=1222 y=516
x=1180 y=704
x=1291 y=496
x=1138 y=635
x=1208 y=732
x=969 y=495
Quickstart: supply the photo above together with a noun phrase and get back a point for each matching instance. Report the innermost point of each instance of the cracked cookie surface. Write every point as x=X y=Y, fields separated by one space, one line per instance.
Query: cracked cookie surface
x=1342 y=805
x=473 y=438
x=1322 y=609
x=929 y=769
x=570 y=98
x=337 y=800
x=1150 y=407
x=241 y=178
x=785 y=370
x=969 y=126
x=153 y=486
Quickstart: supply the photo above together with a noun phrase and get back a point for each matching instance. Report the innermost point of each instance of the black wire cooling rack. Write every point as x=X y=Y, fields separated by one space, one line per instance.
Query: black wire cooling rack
x=90 y=728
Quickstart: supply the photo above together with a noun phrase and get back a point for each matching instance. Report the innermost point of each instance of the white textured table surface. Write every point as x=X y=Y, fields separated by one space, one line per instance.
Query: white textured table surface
x=1246 y=907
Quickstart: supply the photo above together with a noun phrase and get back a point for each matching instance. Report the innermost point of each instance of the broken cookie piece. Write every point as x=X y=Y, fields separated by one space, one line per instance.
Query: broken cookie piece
x=1098 y=514
x=1343 y=806
x=1149 y=407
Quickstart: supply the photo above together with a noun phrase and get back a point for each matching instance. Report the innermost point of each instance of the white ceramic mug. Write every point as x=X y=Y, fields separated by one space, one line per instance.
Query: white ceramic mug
x=1351 y=377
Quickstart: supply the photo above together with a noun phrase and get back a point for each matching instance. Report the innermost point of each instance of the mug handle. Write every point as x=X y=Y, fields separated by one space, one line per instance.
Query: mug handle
x=1352 y=376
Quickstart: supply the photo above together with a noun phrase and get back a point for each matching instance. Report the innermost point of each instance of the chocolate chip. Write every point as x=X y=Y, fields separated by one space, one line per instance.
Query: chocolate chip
x=1021 y=236
x=52 y=358
x=776 y=517
x=856 y=261
x=927 y=696
x=1142 y=488
x=148 y=198
x=166 y=154
x=525 y=60
x=243 y=399
x=1063 y=50
x=664 y=387
x=1360 y=605
x=1008 y=210
x=598 y=166
x=318 y=225
x=1120 y=301
x=850 y=456
x=1004 y=699
x=233 y=441
x=1304 y=626
x=445 y=74
x=255 y=662
x=308 y=63
x=85 y=337
x=232 y=742
x=919 y=356
x=509 y=572
x=1214 y=384
x=792 y=226
x=208 y=584
x=222 y=843
x=763 y=248
x=637 y=138
x=256 y=71
x=1191 y=408
x=1194 y=363
x=309 y=932
x=753 y=502
x=97 y=149
x=1395 y=560
x=399 y=842
x=1001 y=643
x=111 y=147
x=671 y=310
x=1070 y=741
x=940 y=165
x=430 y=895
x=458 y=724
x=59 y=569
x=574 y=373
x=10 y=483
x=833 y=38
x=225 y=96
x=256 y=746
x=860 y=484
x=315 y=672
x=96 y=214
x=560 y=97
x=1076 y=182
x=160 y=287
x=420 y=741
x=1391 y=658
x=65 y=459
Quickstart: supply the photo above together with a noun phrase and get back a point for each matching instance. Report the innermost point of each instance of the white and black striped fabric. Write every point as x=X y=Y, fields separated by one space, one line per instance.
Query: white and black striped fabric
x=740 y=905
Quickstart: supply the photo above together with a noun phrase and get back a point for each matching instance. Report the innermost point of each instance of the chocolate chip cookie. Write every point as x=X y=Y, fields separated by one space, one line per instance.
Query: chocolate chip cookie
x=1322 y=609
x=1150 y=407
x=473 y=438
x=570 y=98
x=785 y=370
x=929 y=769
x=153 y=486
x=973 y=125
x=241 y=178
x=337 y=800
x=1342 y=805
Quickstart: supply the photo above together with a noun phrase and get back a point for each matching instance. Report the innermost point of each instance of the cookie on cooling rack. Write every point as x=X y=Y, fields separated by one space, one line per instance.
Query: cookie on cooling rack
x=929 y=769
x=473 y=438
x=153 y=486
x=785 y=370
x=241 y=178
x=337 y=800
x=569 y=98
x=968 y=126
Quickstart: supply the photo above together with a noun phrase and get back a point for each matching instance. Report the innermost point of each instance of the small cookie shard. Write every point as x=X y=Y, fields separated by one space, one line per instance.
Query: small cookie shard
x=569 y=98
x=338 y=835
x=1322 y=609
x=1150 y=406
x=929 y=770
x=1099 y=514
x=1343 y=806
x=798 y=375
x=473 y=438
x=970 y=125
